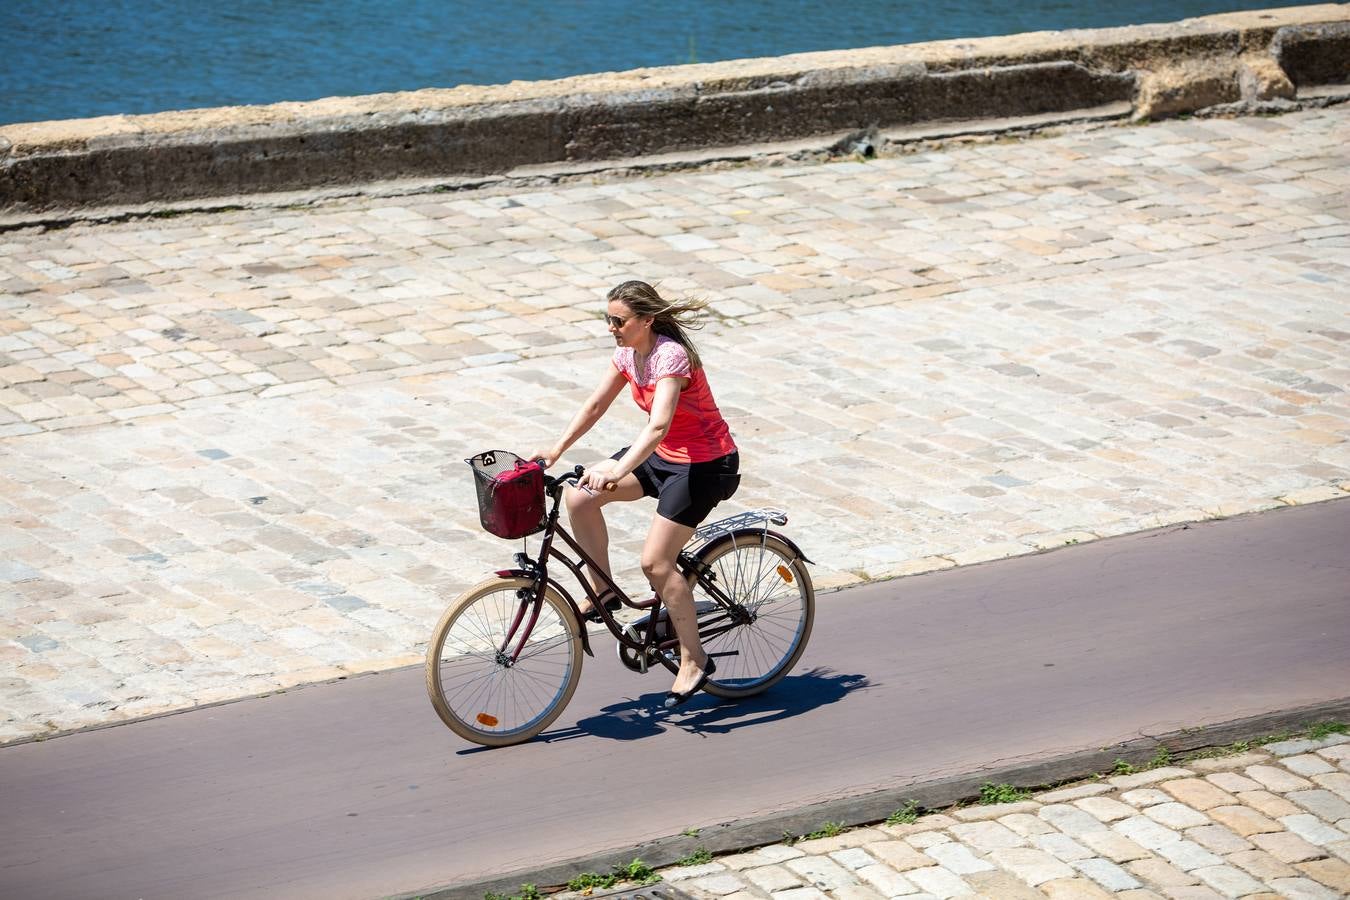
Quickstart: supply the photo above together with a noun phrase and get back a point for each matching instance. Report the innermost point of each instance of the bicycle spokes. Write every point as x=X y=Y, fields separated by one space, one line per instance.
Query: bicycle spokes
x=501 y=666
x=764 y=615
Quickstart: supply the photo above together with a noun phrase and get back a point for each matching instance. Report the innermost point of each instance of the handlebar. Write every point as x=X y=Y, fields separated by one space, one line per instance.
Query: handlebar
x=552 y=483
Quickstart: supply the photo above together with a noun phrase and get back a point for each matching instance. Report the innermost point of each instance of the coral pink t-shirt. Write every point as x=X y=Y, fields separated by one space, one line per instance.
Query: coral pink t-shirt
x=698 y=433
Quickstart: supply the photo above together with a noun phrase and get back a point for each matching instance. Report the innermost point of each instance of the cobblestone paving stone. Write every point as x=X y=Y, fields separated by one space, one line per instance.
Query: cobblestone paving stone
x=1090 y=841
x=231 y=444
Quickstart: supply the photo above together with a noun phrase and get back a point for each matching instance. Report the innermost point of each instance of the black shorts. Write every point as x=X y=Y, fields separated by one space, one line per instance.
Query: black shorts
x=687 y=492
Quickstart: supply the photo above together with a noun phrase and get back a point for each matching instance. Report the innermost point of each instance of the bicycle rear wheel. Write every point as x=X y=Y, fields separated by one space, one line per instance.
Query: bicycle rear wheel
x=760 y=634
x=477 y=688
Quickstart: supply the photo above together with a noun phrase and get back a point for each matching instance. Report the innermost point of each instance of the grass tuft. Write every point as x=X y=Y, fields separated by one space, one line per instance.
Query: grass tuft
x=699 y=857
x=827 y=829
x=991 y=793
x=527 y=892
x=905 y=815
x=1319 y=730
x=637 y=872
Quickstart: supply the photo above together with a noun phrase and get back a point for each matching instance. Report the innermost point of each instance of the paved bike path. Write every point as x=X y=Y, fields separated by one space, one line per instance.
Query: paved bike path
x=354 y=789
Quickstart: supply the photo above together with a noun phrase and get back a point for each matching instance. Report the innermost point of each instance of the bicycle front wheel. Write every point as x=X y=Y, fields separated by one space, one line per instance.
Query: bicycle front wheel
x=757 y=620
x=485 y=690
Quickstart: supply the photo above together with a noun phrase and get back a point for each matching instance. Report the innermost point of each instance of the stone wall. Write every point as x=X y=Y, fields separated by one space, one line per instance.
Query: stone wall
x=1149 y=71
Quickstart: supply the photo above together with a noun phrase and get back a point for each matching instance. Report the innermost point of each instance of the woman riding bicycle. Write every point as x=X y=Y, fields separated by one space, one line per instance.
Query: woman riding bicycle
x=684 y=457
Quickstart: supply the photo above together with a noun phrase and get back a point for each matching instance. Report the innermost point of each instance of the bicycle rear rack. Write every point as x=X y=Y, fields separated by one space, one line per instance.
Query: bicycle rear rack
x=755 y=518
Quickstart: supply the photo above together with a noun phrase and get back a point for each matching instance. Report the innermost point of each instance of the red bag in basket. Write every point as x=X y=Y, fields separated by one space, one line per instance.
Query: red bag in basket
x=511 y=502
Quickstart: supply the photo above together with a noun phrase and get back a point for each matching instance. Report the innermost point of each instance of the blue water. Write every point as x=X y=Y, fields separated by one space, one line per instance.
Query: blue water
x=62 y=59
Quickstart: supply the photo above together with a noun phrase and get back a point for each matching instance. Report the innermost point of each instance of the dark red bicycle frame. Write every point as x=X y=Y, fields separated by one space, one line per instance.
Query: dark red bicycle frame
x=537 y=572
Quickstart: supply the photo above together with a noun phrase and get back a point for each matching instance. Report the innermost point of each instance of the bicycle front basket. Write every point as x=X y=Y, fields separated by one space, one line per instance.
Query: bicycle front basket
x=510 y=493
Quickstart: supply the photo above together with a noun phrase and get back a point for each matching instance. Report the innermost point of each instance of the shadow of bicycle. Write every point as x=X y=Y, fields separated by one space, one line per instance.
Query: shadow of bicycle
x=644 y=717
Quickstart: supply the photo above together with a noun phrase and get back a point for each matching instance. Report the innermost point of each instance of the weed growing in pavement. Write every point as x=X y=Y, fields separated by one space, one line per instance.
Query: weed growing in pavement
x=1319 y=730
x=827 y=829
x=589 y=881
x=905 y=815
x=636 y=871
x=527 y=892
x=1284 y=734
x=991 y=793
x=639 y=872
x=691 y=832
x=697 y=858
x=1161 y=757
x=1232 y=749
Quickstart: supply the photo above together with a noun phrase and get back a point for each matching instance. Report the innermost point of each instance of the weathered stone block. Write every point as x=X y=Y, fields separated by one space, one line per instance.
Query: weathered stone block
x=1314 y=54
x=1261 y=78
x=1187 y=87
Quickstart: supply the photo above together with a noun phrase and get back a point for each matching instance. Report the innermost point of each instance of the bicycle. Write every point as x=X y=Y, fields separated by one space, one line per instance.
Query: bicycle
x=505 y=657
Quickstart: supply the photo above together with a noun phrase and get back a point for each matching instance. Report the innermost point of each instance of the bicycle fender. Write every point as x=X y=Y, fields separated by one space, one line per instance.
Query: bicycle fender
x=754 y=533
x=793 y=544
x=521 y=573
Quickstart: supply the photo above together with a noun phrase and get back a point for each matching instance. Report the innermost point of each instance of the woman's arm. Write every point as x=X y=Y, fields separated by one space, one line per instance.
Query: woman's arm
x=591 y=411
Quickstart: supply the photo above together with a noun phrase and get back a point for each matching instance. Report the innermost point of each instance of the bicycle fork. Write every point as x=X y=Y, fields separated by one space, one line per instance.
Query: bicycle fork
x=526 y=601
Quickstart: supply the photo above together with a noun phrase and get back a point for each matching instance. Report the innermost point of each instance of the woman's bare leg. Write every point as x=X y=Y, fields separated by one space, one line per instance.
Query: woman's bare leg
x=588 y=524
x=664 y=542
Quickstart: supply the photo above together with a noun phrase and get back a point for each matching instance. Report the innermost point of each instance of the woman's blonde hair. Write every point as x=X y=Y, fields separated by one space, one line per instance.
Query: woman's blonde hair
x=673 y=319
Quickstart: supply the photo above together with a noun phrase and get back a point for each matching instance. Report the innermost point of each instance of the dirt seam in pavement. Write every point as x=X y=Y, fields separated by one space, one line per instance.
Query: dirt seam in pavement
x=937 y=794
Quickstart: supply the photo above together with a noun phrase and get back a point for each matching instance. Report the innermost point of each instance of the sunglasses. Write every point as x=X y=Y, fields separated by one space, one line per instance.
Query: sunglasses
x=618 y=321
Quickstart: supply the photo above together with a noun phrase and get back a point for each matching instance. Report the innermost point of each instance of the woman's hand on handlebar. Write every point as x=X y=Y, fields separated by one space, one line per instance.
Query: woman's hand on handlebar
x=545 y=458
x=598 y=478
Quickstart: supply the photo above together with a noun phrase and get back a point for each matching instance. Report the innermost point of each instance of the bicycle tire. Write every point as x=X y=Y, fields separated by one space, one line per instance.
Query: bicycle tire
x=765 y=576
x=477 y=692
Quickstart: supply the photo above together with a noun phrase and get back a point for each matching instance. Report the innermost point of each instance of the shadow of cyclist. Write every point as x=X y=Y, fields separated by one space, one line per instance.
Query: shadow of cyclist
x=643 y=716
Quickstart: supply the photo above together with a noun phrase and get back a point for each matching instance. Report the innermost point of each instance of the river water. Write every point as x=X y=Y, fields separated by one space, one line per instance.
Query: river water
x=63 y=59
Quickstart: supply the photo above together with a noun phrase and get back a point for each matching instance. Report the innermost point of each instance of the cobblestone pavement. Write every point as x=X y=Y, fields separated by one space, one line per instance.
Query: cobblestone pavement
x=231 y=443
x=1265 y=824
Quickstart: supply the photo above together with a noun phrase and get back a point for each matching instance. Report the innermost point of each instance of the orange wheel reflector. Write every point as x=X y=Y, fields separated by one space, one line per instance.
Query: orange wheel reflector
x=785 y=573
x=485 y=719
